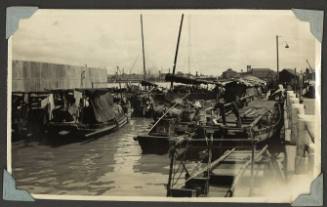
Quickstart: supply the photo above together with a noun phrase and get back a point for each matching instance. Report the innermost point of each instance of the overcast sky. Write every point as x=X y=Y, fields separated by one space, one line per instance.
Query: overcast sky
x=211 y=40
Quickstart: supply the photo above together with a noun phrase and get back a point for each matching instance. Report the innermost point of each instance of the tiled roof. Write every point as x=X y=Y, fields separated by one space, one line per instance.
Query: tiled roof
x=262 y=72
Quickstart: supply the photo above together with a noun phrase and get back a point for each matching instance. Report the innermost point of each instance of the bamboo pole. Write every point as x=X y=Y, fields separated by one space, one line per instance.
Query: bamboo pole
x=167 y=112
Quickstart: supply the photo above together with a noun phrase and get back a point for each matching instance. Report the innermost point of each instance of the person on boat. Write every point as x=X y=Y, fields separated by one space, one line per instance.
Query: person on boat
x=197 y=115
x=64 y=110
x=86 y=110
x=220 y=103
x=124 y=104
x=72 y=107
x=118 y=110
x=233 y=99
x=278 y=94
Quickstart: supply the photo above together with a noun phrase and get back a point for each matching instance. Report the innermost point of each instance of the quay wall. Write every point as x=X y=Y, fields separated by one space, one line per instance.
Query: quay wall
x=30 y=76
x=302 y=133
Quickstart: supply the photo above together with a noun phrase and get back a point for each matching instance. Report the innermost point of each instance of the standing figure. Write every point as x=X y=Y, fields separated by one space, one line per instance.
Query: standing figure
x=220 y=103
x=231 y=97
x=236 y=104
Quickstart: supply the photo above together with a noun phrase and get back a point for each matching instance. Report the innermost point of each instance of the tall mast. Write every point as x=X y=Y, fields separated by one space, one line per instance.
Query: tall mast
x=189 y=45
x=176 y=52
x=277 y=55
x=143 y=52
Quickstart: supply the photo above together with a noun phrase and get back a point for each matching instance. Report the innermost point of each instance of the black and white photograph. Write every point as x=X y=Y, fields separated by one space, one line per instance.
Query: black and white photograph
x=180 y=105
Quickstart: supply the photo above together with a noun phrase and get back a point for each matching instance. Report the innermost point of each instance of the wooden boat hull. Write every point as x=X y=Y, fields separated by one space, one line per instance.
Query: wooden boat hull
x=153 y=144
x=196 y=146
x=76 y=130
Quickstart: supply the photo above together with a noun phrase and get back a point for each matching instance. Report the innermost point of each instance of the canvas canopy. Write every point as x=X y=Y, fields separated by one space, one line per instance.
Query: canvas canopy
x=148 y=83
x=103 y=105
x=187 y=80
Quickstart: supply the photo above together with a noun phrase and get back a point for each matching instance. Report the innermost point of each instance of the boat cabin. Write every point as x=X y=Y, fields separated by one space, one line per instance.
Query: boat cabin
x=84 y=110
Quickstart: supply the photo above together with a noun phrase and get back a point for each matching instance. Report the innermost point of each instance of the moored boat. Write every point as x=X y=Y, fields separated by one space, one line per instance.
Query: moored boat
x=83 y=113
x=219 y=154
x=259 y=125
x=158 y=139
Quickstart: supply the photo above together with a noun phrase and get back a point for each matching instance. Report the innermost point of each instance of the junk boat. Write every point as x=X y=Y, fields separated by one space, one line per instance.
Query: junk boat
x=140 y=99
x=220 y=155
x=258 y=123
x=174 y=113
x=83 y=112
x=158 y=140
x=179 y=112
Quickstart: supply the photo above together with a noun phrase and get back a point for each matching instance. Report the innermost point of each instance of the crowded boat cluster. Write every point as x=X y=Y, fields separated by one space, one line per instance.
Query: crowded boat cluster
x=201 y=125
x=181 y=115
x=88 y=111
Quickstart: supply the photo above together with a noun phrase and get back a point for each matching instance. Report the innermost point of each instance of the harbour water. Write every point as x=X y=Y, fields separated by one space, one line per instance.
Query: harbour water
x=109 y=165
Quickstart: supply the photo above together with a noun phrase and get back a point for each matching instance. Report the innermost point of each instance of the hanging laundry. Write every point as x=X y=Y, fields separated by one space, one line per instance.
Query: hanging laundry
x=44 y=102
x=78 y=96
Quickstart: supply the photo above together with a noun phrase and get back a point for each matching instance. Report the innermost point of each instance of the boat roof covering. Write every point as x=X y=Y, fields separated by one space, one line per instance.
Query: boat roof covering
x=237 y=81
x=187 y=80
x=148 y=83
x=93 y=90
x=103 y=106
x=59 y=90
x=254 y=80
x=70 y=90
x=100 y=99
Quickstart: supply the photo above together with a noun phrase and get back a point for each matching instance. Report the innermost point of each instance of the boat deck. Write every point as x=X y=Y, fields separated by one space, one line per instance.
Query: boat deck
x=224 y=175
x=254 y=108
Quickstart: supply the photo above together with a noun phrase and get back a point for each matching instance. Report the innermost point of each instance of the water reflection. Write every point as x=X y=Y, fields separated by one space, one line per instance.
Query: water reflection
x=110 y=165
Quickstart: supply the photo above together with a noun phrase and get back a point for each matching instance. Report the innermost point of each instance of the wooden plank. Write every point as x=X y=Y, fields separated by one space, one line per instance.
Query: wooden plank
x=244 y=167
x=213 y=164
x=255 y=122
